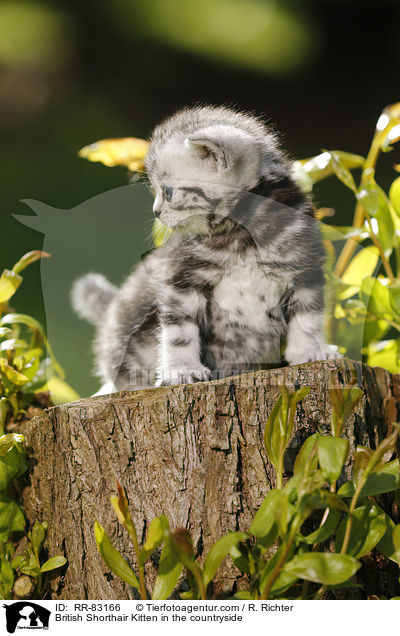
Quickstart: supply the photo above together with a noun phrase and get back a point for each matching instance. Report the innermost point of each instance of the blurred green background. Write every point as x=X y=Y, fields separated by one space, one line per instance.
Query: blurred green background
x=74 y=72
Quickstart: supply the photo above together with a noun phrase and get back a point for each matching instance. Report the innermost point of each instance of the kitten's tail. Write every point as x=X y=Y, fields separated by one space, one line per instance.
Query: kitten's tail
x=91 y=295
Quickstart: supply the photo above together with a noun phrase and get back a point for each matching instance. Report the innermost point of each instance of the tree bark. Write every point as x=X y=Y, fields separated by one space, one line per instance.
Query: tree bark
x=192 y=452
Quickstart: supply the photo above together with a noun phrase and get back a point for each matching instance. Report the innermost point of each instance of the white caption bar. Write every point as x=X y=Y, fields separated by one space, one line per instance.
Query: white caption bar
x=173 y=617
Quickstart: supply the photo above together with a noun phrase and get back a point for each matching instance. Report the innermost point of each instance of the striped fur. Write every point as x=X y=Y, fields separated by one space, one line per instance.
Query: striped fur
x=239 y=285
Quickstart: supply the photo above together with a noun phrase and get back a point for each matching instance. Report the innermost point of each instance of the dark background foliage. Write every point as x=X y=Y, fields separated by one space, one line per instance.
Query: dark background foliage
x=73 y=72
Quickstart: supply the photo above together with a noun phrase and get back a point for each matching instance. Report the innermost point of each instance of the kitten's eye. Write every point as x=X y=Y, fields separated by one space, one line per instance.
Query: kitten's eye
x=167 y=193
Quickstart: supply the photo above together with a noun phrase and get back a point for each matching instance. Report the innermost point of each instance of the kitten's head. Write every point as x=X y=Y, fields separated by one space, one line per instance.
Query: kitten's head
x=202 y=158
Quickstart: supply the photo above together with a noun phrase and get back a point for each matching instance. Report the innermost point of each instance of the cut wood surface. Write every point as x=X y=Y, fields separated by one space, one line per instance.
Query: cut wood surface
x=192 y=452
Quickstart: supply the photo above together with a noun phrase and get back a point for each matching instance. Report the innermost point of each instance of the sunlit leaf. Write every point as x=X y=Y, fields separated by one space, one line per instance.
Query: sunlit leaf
x=218 y=552
x=304 y=458
x=386 y=354
x=168 y=573
x=11 y=374
x=363 y=264
x=386 y=479
x=320 y=166
x=394 y=194
x=54 y=563
x=341 y=171
x=375 y=295
x=161 y=233
x=9 y=283
x=332 y=453
x=38 y=535
x=155 y=535
x=28 y=259
x=342 y=233
x=325 y=568
x=368 y=196
x=113 y=559
x=32 y=323
x=125 y=151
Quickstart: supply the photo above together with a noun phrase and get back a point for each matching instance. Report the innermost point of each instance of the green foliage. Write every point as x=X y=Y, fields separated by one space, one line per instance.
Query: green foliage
x=24 y=370
x=29 y=563
x=364 y=275
x=275 y=554
x=27 y=362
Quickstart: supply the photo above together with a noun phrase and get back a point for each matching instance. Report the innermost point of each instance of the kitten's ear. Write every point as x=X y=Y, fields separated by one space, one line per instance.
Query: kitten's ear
x=207 y=148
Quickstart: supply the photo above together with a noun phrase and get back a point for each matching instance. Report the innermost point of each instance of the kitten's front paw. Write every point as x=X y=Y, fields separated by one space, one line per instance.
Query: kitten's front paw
x=300 y=356
x=169 y=377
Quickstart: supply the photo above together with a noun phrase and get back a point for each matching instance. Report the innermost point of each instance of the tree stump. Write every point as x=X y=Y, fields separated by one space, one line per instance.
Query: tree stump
x=192 y=452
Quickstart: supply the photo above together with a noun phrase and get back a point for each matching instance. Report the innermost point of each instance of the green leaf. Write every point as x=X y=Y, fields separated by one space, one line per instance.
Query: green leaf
x=279 y=426
x=168 y=573
x=304 y=462
x=394 y=195
x=394 y=296
x=12 y=465
x=265 y=516
x=30 y=570
x=341 y=171
x=38 y=535
x=332 y=453
x=386 y=544
x=386 y=479
x=28 y=321
x=18 y=562
x=218 y=552
x=367 y=529
x=245 y=595
x=11 y=374
x=342 y=232
x=396 y=540
x=386 y=229
x=8 y=441
x=325 y=531
x=283 y=582
x=320 y=166
x=3 y=415
x=11 y=516
x=6 y=575
x=161 y=233
x=113 y=558
x=367 y=461
x=31 y=368
x=9 y=283
x=363 y=264
x=240 y=555
x=155 y=535
x=54 y=563
x=368 y=196
x=385 y=354
x=343 y=403
x=375 y=295
x=28 y=259
x=362 y=458
x=325 y=568
x=182 y=546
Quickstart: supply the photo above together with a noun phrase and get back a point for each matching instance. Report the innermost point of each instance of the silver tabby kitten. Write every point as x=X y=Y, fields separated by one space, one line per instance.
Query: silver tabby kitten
x=238 y=285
